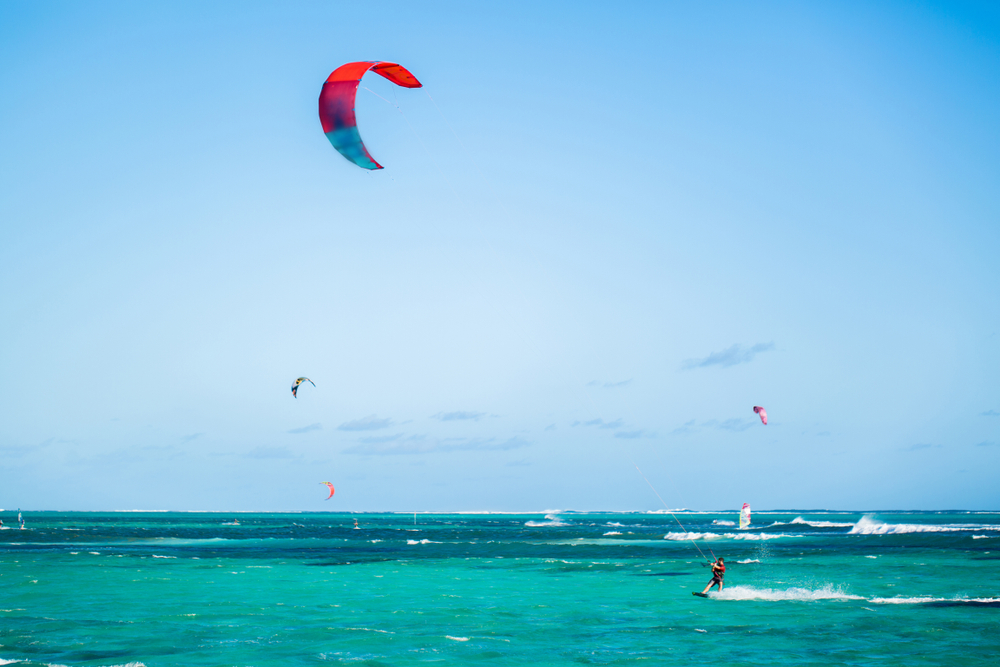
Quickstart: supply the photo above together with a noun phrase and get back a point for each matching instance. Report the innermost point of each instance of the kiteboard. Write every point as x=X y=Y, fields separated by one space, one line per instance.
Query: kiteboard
x=701 y=595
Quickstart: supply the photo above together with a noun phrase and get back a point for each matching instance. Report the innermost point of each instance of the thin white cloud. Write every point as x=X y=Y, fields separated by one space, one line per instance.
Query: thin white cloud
x=459 y=415
x=369 y=423
x=731 y=356
x=734 y=424
x=397 y=446
x=600 y=423
x=305 y=429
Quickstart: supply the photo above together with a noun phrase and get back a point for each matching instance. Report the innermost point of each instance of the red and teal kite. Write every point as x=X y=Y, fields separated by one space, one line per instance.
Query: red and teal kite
x=330 y=486
x=336 y=106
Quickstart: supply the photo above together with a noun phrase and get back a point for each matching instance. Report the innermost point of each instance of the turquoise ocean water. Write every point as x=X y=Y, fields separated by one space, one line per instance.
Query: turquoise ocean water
x=802 y=588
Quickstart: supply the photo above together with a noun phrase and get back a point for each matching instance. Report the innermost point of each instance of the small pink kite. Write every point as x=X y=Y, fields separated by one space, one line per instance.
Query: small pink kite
x=331 y=489
x=762 y=412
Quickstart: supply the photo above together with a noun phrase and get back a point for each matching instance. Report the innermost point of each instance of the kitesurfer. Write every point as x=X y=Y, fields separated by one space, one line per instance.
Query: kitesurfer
x=718 y=572
x=356 y=526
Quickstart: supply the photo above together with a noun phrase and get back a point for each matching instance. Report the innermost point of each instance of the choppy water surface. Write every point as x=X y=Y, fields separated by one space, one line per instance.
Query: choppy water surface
x=818 y=588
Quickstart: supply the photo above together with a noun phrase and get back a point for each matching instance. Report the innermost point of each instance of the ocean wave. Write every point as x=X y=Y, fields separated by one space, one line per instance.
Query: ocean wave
x=754 y=537
x=384 y=632
x=925 y=599
x=553 y=520
x=868 y=525
x=691 y=536
x=722 y=522
x=821 y=524
x=8 y=662
x=612 y=532
x=457 y=639
x=424 y=541
x=748 y=560
x=981 y=537
x=615 y=524
x=827 y=592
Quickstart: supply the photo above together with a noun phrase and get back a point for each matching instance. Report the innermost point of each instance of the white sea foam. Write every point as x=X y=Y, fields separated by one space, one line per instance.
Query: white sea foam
x=384 y=632
x=821 y=524
x=981 y=537
x=926 y=598
x=612 y=532
x=748 y=560
x=457 y=639
x=871 y=557
x=8 y=662
x=615 y=523
x=752 y=537
x=755 y=537
x=700 y=630
x=424 y=541
x=553 y=520
x=155 y=556
x=722 y=522
x=868 y=525
x=827 y=592
x=691 y=536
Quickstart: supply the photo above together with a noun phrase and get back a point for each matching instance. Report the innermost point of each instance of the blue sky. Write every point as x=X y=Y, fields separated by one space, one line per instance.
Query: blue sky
x=603 y=234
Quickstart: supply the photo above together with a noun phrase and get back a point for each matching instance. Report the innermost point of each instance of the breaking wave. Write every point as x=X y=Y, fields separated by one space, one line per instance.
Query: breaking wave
x=755 y=537
x=821 y=524
x=552 y=520
x=827 y=592
x=723 y=522
x=867 y=525
x=926 y=599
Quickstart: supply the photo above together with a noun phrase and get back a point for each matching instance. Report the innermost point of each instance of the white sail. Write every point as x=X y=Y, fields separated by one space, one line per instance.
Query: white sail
x=745 y=516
